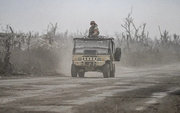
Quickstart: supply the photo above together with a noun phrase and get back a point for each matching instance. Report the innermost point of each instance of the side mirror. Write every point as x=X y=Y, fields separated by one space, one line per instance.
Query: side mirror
x=117 y=55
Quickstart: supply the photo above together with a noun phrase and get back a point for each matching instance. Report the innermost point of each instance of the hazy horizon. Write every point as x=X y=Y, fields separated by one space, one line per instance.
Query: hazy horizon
x=75 y=15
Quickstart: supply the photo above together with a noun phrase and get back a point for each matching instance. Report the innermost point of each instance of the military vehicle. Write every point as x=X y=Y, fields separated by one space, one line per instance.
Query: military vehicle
x=94 y=54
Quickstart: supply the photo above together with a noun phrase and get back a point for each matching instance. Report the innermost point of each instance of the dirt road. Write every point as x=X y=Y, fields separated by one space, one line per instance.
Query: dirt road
x=154 y=89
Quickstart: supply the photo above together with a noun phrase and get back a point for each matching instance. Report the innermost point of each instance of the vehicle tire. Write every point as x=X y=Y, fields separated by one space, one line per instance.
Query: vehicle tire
x=106 y=71
x=81 y=74
x=112 y=73
x=73 y=71
x=117 y=55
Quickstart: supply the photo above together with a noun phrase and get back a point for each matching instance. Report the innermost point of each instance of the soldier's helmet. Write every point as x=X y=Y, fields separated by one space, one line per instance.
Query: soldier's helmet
x=92 y=22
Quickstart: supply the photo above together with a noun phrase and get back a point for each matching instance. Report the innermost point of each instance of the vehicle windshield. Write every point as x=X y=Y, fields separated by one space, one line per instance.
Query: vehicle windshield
x=92 y=44
x=100 y=46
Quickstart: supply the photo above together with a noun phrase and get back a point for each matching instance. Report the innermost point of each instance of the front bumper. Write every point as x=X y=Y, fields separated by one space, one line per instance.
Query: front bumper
x=89 y=63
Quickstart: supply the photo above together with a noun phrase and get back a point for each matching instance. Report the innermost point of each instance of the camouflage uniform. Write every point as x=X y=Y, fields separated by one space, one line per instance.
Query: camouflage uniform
x=93 y=31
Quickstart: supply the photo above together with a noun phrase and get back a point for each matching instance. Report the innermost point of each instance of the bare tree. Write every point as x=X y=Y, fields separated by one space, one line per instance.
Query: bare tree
x=51 y=33
x=28 y=41
x=143 y=33
x=7 y=65
x=127 y=25
x=136 y=36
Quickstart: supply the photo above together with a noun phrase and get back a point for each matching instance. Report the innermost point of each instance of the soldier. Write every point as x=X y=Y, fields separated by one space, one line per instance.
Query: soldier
x=93 y=30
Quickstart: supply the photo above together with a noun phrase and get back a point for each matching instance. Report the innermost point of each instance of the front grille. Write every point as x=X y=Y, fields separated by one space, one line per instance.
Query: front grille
x=89 y=58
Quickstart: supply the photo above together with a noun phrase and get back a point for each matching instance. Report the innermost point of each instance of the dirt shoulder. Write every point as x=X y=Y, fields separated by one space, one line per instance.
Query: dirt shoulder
x=163 y=97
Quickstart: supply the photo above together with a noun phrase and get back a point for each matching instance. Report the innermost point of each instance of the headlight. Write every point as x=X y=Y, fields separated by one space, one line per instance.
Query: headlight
x=100 y=59
x=77 y=58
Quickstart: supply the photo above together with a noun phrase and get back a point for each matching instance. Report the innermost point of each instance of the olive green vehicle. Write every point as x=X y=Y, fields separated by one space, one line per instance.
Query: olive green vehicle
x=94 y=54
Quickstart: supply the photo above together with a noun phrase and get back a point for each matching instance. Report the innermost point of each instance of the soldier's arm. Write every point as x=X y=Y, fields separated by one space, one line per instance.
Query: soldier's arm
x=95 y=31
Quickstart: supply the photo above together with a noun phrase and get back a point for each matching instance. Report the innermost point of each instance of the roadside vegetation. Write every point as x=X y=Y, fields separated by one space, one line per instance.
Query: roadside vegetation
x=139 y=49
x=32 y=53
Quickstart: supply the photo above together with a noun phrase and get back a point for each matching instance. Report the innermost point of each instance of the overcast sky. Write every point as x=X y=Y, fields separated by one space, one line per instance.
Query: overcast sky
x=73 y=15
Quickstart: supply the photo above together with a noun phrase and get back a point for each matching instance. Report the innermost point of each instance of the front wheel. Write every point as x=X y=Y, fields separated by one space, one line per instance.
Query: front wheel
x=81 y=74
x=112 y=73
x=73 y=71
x=106 y=71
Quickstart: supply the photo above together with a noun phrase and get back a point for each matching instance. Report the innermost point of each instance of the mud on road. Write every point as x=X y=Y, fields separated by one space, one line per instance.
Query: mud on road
x=153 y=89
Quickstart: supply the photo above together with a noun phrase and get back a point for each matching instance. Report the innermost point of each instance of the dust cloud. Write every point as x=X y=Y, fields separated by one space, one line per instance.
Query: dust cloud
x=65 y=61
